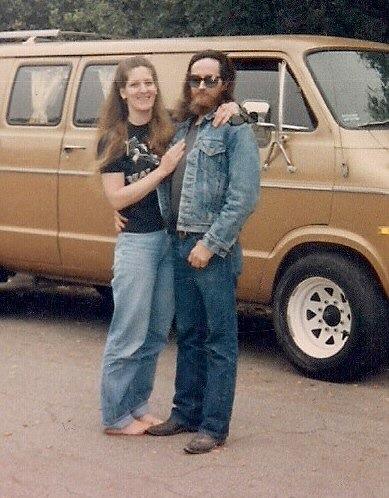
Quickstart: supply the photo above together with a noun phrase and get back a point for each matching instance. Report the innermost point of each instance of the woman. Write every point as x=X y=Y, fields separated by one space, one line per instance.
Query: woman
x=133 y=123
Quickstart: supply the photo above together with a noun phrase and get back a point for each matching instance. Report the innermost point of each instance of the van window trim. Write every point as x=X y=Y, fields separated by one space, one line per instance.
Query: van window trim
x=70 y=65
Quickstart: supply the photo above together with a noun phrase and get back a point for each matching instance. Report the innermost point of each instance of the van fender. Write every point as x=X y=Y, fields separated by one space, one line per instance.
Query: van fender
x=313 y=238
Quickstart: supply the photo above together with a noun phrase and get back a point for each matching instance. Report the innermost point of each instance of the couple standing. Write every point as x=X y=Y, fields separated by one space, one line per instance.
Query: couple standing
x=207 y=183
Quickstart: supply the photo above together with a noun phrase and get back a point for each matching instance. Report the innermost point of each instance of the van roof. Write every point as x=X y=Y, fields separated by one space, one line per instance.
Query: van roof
x=274 y=43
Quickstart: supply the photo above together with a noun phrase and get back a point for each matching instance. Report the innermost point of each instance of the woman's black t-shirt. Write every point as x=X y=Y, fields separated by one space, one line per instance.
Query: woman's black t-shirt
x=143 y=216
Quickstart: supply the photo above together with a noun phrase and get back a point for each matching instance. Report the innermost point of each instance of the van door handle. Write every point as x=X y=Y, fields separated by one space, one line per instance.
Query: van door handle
x=69 y=148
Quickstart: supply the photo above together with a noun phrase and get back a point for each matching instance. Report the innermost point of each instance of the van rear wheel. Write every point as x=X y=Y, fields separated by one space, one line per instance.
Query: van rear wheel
x=330 y=317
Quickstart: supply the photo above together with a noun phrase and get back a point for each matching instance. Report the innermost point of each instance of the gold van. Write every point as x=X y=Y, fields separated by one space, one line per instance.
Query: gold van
x=316 y=249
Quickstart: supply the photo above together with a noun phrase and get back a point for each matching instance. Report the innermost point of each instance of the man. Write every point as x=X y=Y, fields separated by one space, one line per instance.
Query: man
x=210 y=195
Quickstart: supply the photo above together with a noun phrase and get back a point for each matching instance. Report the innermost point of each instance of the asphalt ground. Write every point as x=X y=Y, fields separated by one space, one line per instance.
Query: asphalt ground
x=290 y=436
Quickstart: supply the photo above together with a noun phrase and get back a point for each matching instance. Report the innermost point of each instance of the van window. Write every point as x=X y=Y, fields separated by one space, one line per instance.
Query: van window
x=354 y=85
x=37 y=95
x=94 y=88
x=257 y=79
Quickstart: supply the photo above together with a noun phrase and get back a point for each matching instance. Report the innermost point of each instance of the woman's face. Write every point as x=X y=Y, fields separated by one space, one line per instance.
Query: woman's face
x=140 y=90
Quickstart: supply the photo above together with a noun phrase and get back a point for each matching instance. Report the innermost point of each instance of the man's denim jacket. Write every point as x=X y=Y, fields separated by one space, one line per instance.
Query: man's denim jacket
x=220 y=185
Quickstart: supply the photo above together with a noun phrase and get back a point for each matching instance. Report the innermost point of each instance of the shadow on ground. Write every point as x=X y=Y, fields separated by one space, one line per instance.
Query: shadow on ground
x=23 y=298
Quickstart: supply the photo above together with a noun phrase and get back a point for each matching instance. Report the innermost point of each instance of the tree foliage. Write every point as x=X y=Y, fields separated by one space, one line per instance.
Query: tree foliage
x=167 y=18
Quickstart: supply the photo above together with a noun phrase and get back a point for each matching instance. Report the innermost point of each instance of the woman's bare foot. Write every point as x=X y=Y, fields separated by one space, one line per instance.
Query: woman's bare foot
x=135 y=428
x=150 y=419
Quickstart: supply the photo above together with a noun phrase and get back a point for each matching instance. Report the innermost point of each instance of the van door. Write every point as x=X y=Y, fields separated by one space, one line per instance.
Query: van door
x=31 y=133
x=289 y=201
x=86 y=233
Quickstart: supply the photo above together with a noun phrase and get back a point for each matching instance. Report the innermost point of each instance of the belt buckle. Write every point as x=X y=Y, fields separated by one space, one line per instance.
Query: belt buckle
x=182 y=235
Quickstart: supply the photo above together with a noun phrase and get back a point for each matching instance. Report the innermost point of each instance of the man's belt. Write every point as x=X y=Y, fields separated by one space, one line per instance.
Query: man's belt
x=182 y=235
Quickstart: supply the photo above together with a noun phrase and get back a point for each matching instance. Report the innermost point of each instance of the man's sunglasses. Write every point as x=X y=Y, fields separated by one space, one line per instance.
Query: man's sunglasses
x=209 y=81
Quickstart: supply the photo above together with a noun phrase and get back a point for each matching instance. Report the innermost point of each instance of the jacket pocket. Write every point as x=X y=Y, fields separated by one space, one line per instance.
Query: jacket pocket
x=211 y=147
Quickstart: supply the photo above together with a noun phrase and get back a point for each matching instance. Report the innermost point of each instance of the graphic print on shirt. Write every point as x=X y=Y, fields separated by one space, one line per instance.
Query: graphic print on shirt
x=143 y=160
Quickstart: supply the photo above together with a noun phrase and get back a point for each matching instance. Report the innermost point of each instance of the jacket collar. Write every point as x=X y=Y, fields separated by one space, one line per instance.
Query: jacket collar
x=208 y=117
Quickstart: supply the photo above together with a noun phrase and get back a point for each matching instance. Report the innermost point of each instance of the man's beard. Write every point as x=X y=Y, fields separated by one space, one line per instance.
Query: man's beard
x=205 y=105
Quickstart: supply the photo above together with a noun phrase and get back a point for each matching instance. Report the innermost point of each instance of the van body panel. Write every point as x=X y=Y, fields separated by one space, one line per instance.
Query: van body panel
x=362 y=195
x=86 y=235
x=308 y=192
x=373 y=138
x=29 y=159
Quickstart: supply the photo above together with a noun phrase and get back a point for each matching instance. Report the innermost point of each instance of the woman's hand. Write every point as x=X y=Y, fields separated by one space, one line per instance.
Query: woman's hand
x=119 y=221
x=171 y=158
x=120 y=195
x=224 y=112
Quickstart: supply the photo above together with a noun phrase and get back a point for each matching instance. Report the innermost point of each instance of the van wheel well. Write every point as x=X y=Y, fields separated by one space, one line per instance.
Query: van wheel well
x=309 y=248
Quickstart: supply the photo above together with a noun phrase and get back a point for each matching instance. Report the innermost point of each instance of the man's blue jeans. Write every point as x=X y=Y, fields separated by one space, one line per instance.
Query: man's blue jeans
x=206 y=339
x=144 y=307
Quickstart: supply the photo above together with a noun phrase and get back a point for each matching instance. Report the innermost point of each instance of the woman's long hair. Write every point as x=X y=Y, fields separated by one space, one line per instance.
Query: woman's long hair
x=112 y=127
x=227 y=73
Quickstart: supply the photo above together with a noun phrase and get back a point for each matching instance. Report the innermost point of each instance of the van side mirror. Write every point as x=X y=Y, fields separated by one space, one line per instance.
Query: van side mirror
x=259 y=111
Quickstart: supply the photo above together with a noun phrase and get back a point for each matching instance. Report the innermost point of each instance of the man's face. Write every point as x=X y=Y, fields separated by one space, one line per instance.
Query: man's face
x=206 y=86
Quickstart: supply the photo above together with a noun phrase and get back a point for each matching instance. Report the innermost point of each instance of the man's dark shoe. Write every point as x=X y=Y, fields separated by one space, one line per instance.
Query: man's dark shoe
x=168 y=428
x=202 y=443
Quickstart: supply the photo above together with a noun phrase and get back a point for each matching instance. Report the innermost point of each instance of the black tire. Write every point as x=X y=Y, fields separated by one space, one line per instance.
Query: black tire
x=330 y=317
x=105 y=292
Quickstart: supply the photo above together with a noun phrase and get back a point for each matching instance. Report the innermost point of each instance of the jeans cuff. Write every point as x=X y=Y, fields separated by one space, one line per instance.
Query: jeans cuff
x=122 y=422
x=140 y=410
x=219 y=437
x=127 y=419
x=182 y=420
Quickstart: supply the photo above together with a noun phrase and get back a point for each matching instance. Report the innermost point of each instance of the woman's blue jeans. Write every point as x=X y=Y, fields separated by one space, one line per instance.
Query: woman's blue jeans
x=143 y=312
x=207 y=340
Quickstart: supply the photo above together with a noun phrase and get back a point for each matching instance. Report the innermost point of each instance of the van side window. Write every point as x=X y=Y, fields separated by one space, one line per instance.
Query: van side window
x=93 y=90
x=37 y=95
x=257 y=79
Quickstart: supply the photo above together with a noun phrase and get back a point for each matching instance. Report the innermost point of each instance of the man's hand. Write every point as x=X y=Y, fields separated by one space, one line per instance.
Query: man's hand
x=119 y=221
x=199 y=256
x=224 y=112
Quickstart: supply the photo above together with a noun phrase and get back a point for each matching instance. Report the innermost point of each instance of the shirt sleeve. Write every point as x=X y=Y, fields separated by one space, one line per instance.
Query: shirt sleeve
x=114 y=167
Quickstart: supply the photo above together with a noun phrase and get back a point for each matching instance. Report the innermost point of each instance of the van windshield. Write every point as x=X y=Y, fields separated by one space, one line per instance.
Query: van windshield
x=355 y=86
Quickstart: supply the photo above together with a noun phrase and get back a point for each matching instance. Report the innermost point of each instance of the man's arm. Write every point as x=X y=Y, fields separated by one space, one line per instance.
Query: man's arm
x=242 y=192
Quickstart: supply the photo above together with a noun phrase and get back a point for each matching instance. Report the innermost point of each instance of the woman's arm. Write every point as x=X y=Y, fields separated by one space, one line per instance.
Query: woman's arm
x=120 y=195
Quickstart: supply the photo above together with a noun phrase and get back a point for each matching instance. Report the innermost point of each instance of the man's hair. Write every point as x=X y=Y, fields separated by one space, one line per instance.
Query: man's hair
x=227 y=73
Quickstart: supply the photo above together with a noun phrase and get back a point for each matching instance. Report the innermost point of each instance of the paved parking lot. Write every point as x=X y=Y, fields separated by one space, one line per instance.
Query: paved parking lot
x=290 y=436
